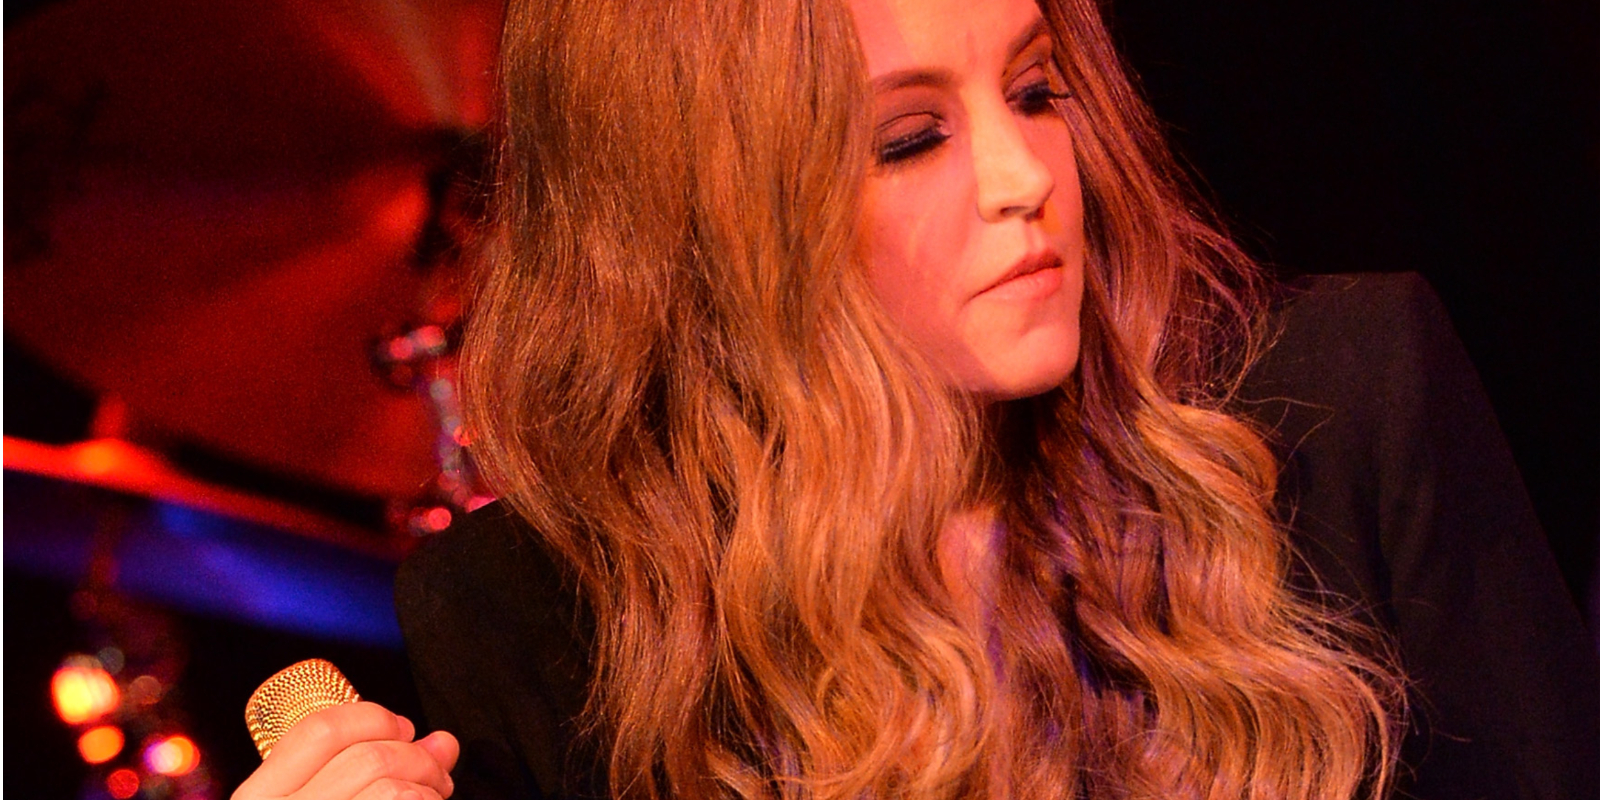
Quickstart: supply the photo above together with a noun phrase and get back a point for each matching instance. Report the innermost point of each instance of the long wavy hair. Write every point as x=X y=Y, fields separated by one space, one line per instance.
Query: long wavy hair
x=677 y=373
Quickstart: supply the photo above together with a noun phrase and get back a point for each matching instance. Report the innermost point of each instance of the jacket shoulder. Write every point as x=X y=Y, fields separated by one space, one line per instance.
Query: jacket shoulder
x=499 y=649
x=487 y=552
x=1340 y=337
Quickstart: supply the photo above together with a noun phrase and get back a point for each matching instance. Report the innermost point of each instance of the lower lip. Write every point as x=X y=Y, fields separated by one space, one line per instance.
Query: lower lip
x=1026 y=287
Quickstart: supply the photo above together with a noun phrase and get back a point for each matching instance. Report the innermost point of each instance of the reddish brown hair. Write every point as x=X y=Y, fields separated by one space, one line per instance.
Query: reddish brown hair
x=677 y=373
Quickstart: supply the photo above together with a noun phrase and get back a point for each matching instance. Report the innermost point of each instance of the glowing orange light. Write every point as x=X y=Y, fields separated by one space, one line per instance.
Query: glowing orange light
x=101 y=744
x=174 y=755
x=82 y=690
x=100 y=460
x=122 y=784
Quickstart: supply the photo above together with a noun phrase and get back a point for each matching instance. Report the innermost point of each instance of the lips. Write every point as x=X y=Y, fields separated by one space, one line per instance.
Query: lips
x=1031 y=263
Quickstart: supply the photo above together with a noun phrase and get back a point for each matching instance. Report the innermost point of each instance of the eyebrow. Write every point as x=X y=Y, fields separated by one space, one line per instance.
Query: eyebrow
x=901 y=78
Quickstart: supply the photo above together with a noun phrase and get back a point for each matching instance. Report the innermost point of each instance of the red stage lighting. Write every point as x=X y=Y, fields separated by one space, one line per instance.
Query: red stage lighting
x=123 y=784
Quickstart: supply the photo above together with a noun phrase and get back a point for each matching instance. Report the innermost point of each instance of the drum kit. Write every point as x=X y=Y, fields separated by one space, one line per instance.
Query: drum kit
x=241 y=222
x=241 y=226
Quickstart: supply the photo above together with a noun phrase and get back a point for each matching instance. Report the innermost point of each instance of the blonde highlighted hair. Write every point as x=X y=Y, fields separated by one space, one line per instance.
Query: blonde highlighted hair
x=676 y=371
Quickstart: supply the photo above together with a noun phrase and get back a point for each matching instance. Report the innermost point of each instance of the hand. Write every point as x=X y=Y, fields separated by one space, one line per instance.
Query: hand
x=359 y=751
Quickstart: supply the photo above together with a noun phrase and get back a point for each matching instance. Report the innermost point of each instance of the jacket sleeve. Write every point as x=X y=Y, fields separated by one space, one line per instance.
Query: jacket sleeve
x=1402 y=494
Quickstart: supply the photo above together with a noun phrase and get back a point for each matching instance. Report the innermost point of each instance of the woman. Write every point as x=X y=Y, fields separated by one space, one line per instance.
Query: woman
x=870 y=410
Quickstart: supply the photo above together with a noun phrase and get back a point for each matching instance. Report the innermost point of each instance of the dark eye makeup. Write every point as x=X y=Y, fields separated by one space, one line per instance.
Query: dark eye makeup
x=904 y=148
x=1033 y=98
x=1037 y=98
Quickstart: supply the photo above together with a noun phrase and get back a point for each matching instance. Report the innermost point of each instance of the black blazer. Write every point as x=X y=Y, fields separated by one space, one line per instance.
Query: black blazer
x=1400 y=494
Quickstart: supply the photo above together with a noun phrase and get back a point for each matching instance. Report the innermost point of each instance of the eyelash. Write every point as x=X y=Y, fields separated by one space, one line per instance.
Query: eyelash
x=1036 y=98
x=910 y=146
x=1032 y=100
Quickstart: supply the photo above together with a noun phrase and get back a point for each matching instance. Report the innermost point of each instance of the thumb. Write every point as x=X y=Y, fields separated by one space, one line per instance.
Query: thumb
x=443 y=747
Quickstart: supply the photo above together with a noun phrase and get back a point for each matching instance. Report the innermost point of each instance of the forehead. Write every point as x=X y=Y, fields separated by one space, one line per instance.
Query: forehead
x=955 y=35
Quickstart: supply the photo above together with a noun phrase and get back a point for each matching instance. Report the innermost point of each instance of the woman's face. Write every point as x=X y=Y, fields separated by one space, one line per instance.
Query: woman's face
x=973 y=215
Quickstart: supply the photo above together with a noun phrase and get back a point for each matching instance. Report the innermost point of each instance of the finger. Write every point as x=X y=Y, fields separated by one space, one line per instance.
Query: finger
x=398 y=790
x=365 y=763
x=443 y=747
x=315 y=740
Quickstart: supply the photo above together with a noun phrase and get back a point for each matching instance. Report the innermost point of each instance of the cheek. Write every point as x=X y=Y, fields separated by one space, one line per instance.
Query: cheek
x=901 y=248
x=914 y=249
x=894 y=272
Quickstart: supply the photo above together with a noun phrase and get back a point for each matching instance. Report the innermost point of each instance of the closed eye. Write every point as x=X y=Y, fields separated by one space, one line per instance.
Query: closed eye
x=1037 y=98
x=903 y=145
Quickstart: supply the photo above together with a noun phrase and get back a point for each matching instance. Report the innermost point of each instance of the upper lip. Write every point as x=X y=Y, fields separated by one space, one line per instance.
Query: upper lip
x=1027 y=265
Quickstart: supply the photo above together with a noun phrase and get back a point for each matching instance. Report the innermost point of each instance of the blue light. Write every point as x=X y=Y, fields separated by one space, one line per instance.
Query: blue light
x=203 y=562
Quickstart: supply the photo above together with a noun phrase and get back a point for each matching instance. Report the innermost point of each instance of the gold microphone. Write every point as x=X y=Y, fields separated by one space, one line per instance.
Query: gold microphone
x=296 y=692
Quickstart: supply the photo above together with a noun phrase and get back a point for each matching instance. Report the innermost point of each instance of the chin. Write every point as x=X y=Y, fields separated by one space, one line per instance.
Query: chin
x=1032 y=373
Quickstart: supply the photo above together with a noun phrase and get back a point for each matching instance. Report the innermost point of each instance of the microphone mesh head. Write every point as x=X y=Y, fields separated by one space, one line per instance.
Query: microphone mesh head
x=293 y=694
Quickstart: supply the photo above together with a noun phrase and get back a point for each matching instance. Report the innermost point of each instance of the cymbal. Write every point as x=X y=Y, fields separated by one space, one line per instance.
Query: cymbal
x=214 y=208
x=128 y=469
x=111 y=514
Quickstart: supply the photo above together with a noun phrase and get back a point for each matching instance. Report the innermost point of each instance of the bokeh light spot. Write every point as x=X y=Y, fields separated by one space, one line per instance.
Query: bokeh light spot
x=122 y=783
x=82 y=690
x=145 y=690
x=100 y=744
x=174 y=755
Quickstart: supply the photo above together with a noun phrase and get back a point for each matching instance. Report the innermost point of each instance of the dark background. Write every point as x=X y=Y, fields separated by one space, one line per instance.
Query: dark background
x=1460 y=140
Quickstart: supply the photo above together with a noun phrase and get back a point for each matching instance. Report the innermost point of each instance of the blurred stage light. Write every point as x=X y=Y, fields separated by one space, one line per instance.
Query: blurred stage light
x=111 y=659
x=123 y=784
x=174 y=756
x=82 y=690
x=144 y=690
x=439 y=518
x=101 y=744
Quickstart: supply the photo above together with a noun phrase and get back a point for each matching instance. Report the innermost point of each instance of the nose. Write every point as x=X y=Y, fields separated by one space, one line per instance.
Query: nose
x=1011 y=179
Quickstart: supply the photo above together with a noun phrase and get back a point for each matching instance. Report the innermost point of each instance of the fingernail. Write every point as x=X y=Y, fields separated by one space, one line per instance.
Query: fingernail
x=408 y=730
